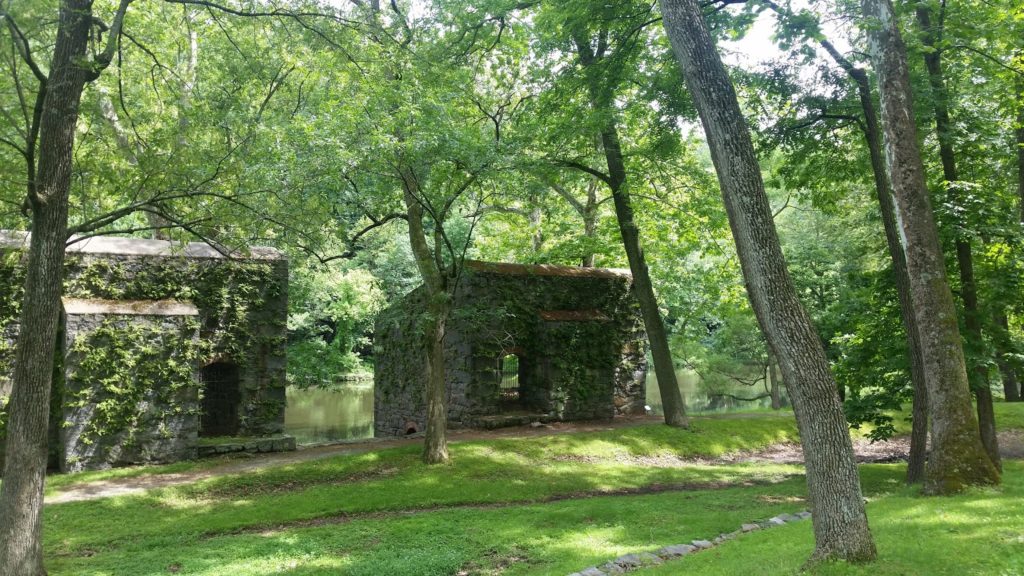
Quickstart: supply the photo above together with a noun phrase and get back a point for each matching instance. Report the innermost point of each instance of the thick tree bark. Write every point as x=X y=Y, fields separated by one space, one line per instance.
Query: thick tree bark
x=21 y=494
x=965 y=260
x=957 y=458
x=840 y=523
x=873 y=136
x=601 y=101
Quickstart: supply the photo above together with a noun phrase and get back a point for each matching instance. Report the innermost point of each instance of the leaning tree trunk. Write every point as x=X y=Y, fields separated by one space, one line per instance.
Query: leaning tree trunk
x=964 y=258
x=601 y=101
x=873 y=135
x=957 y=459
x=840 y=523
x=21 y=494
x=672 y=402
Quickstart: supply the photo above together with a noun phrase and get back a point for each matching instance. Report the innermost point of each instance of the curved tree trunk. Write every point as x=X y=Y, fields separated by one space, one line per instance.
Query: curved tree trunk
x=840 y=523
x=977 y=368
x=21 y=494
x=958 y=458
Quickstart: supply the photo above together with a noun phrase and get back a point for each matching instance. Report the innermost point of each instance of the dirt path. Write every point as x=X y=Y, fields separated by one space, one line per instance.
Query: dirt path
x=248 y=463
x=1011 y=445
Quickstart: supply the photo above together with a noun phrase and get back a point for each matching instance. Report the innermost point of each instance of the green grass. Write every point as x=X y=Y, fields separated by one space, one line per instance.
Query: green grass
x=394 y=479
x=979 y=532
x=1009 y=416
x=55 y=483
x=540 y=505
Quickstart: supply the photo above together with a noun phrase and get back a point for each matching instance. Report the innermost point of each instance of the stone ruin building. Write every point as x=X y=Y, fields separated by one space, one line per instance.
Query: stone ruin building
x=523 y=343
x=160 y=344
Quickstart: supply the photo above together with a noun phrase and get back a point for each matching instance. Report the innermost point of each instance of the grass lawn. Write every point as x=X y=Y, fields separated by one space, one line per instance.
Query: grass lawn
x=543 y=505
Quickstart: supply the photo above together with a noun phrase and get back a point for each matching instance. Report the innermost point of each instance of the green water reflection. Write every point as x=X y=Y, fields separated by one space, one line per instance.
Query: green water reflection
x=346 y=413
x=700 y=399
x=319 y=415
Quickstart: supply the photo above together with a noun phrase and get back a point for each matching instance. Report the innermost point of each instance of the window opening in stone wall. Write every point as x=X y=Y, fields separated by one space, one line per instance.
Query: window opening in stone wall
x=221 y=397
x=510 y=392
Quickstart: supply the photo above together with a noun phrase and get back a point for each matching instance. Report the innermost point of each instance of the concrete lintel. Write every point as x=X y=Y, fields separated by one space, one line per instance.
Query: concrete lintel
x=80 y=306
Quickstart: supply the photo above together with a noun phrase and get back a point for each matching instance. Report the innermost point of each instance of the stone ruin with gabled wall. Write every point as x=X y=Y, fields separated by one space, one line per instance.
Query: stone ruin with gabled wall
x=160 y=345
x=523 y=343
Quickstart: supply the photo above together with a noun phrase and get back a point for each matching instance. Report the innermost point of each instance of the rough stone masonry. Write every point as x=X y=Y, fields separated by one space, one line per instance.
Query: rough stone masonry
x=161 y=342
x=574 y=335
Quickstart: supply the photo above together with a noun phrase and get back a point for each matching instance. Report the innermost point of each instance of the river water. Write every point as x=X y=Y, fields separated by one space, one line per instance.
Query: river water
x=346 y=413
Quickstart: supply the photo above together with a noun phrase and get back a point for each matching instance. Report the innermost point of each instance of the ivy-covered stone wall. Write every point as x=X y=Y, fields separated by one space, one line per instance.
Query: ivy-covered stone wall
x=130 y=390
x=577 y=332
x=241 y=304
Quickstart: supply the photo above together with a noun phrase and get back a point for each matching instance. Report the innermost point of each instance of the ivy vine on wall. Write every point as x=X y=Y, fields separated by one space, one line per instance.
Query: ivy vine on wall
x=134 y=377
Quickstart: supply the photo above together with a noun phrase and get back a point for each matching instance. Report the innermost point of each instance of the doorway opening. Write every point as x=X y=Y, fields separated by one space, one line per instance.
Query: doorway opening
x=221 y=397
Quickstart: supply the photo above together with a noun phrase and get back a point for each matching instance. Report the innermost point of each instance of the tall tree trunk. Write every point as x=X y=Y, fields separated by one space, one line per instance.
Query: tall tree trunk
x=840 y=523
x=601 y=101
x=1011 y=388
x=673 y=405
x=873 y=135
x=883 y=193
x=965 y=260
x=957 y=459
x=435 y=445
x=21 y=494
x=776 y=382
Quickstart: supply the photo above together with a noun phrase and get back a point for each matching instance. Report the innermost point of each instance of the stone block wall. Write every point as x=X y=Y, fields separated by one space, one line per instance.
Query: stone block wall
x=130 y=392
x=577 y=332
x=240 y=300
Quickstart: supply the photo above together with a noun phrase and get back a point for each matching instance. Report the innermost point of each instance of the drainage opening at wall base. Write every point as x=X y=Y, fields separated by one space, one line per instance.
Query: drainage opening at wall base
x=410 y=428
x=221 y=398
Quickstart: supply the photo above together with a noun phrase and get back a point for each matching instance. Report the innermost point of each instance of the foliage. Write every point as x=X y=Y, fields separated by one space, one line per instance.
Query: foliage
x=140 y=376
x=330 y=323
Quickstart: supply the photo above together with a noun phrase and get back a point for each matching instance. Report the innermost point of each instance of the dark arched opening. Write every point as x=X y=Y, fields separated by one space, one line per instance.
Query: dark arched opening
x=221 y=397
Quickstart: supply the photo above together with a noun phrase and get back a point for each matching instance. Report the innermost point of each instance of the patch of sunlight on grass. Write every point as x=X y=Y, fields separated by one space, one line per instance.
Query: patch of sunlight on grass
x=603 y=539
x=277 y=564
